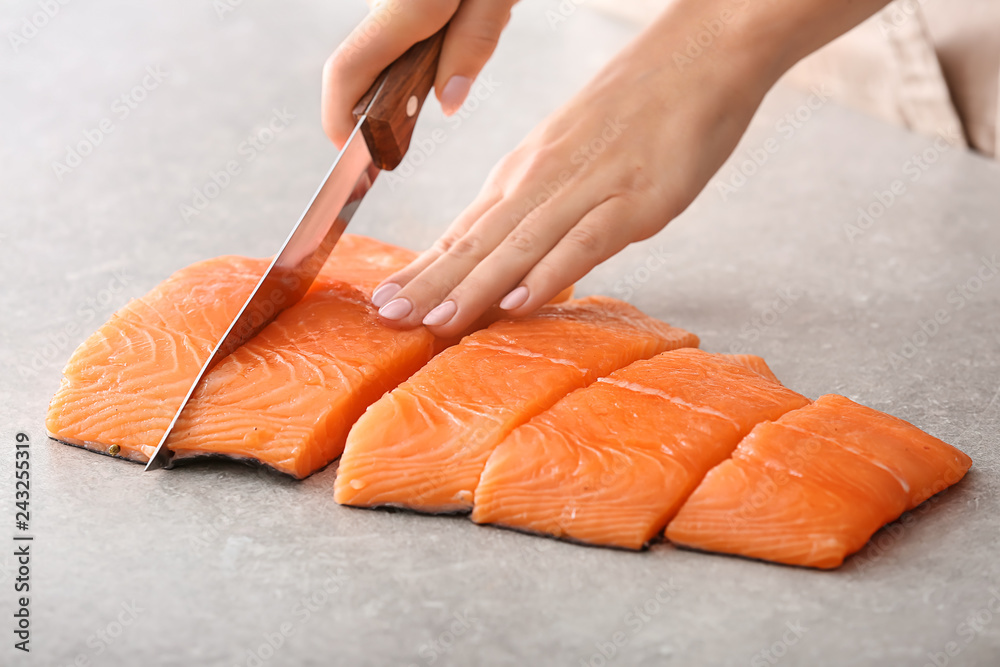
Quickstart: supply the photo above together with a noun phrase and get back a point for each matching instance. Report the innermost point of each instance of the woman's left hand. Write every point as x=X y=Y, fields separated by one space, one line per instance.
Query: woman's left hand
x=613 y=166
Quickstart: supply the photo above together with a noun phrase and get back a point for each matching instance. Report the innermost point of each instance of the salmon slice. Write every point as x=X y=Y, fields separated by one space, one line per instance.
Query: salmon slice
x=364 y=262
x=123 y=384
x=424 y=445
x=611 y=463
x=288 y=397
x=812 y=488
x=754 y=363
x=493 y=314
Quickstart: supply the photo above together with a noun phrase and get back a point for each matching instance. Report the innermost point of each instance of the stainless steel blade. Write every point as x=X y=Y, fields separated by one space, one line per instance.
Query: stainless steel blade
x=296 y=265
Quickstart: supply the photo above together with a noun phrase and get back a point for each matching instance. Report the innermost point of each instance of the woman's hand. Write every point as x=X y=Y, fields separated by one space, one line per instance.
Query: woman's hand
x=613 y=166
x=392 y=27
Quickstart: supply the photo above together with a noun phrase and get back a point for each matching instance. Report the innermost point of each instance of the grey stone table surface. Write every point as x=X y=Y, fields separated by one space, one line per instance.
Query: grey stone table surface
x=801 y=258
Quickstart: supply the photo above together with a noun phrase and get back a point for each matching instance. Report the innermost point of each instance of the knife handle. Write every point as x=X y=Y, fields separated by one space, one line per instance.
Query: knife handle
x=392 y=104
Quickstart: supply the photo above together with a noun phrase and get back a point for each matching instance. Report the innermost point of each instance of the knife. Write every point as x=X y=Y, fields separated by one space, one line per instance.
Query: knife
x=385 y=117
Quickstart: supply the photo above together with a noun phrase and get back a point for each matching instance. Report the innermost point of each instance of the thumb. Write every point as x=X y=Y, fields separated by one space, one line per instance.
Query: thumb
x=470 y=41
x=386 y=33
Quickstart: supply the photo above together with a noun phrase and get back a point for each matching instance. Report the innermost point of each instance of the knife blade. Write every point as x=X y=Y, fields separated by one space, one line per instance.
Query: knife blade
x=385 y=116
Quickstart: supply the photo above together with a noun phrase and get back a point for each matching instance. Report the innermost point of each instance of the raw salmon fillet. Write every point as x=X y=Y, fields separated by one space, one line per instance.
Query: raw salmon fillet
x=754 y=363
x=610 y=464
x=493 y=314
x=123 y=384
x=364 y=262
x=287 y=398
x=814 y=486
x=424 y=445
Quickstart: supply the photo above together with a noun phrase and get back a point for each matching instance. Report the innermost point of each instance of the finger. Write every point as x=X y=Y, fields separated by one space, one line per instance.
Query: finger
x=504 y=268
x=602 y=233
x=386 y=33
x=429 y=288
x=470 y=42
x=388 y=288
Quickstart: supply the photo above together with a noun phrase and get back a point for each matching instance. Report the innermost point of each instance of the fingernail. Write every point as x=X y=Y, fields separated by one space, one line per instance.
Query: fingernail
x=381 y=296
x=396 y=309
x=515 y=299
x=441 y=314
x=454 y=94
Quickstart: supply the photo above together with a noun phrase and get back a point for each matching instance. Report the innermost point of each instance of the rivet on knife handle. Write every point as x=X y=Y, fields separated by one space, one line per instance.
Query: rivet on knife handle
x=391 y=106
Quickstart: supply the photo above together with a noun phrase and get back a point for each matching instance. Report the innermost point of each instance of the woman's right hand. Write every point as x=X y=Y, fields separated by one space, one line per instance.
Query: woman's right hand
x=392 y=27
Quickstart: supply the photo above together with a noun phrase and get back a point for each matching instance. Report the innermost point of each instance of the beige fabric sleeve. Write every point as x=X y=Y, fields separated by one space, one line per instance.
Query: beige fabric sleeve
x=920 y=89
x=930 y=65
x=966 y=36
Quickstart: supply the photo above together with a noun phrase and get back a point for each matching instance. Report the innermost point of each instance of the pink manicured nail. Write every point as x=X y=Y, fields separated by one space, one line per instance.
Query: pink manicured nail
x=381 y=296
x=454 y=94
x=441 y=314
x=396 y=309
x=515 y=299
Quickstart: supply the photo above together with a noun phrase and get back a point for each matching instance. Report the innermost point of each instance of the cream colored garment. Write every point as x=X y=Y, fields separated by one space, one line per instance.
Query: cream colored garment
x=932 y=66
x=966 y=36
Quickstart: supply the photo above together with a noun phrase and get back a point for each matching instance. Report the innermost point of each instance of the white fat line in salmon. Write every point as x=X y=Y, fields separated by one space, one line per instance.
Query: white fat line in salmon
x=521 y=352
x=642 y=389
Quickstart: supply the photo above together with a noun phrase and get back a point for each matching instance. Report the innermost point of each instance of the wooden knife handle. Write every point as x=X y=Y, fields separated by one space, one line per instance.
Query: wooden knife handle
x=392 y=104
